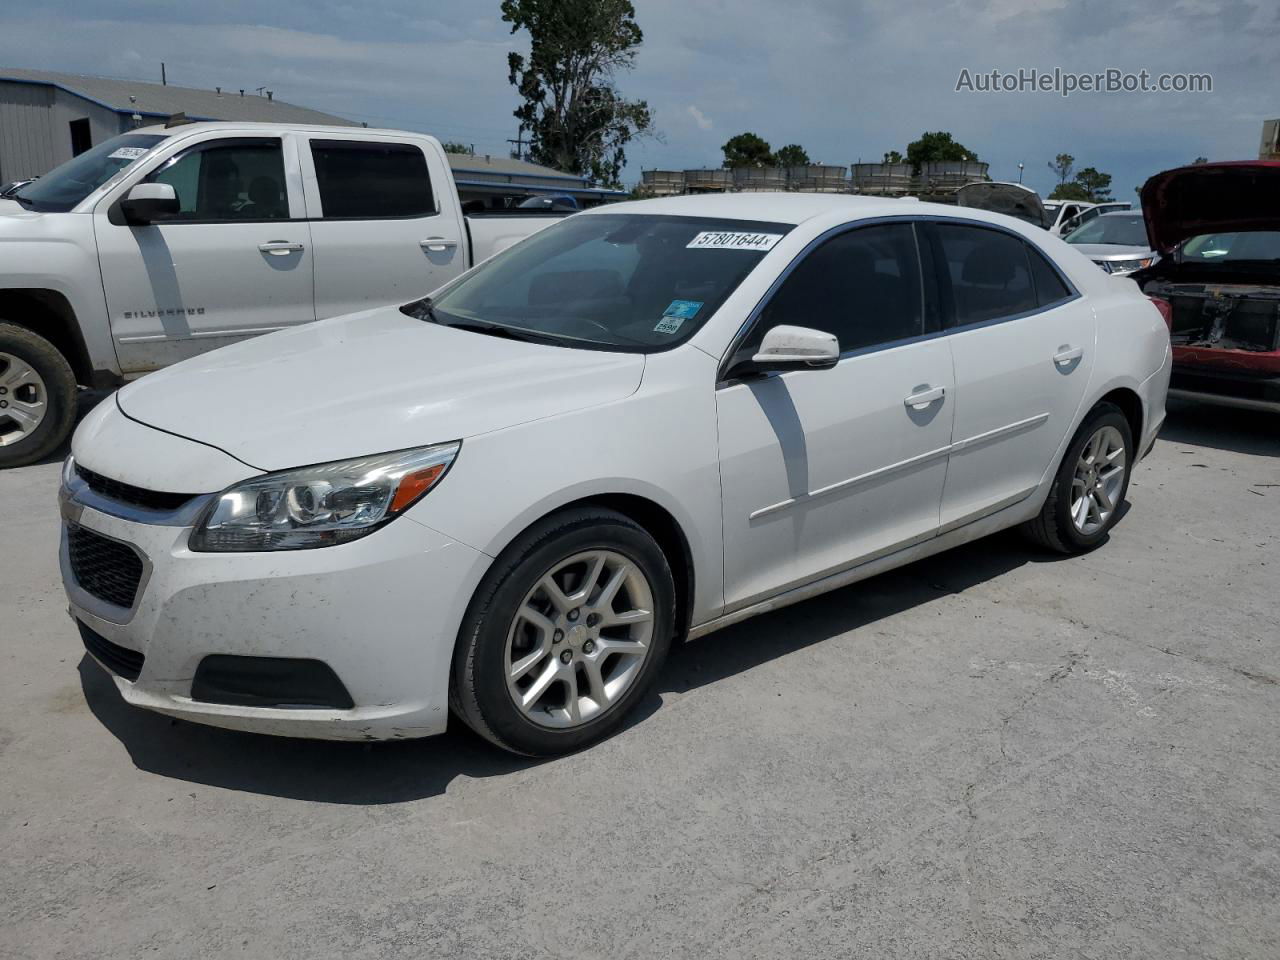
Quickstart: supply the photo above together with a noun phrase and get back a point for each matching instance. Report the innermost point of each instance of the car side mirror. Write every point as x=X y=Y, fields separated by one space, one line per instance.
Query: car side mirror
x=148 y=202
x=796 y=348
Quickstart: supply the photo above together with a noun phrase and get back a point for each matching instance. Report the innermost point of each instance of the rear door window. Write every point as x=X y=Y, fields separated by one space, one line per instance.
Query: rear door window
x=368 y=180
x=989 y=273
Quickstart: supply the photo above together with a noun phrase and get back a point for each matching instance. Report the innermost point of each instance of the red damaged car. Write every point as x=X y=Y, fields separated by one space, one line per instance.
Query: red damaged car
x=1217 y=228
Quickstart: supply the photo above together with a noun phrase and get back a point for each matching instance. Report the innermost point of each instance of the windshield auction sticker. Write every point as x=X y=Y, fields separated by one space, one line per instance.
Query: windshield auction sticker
x=718 y=240
x=127 y=153
x=676 y=314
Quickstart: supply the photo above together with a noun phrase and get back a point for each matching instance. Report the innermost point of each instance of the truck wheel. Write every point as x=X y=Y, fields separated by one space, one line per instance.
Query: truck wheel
x=37 y=396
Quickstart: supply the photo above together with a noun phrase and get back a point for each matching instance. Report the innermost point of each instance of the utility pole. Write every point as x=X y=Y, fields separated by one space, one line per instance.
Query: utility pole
x=519 y=143
x=164 y=81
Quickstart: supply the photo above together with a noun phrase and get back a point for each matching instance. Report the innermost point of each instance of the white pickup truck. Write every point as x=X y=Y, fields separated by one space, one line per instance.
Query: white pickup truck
x=165 y=242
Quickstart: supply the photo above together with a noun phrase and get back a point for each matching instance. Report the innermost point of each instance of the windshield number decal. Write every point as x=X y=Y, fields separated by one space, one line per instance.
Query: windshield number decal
x=721 y=240
x=676 y=314
x=127 y=153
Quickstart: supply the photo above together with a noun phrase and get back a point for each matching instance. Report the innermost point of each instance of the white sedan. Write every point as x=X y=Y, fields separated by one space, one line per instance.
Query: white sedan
x=645 y=423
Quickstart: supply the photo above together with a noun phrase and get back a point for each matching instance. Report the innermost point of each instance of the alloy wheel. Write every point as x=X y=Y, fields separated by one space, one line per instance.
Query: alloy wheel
x=1098 y=480
x=24 y=400
x=580 y=639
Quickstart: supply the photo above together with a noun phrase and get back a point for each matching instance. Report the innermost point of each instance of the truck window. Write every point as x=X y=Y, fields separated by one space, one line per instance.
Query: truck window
x=366 y=180
x=228 y=180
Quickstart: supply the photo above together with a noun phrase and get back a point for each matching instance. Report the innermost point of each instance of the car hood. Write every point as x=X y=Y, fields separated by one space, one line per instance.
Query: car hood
x=369 y=383
x=1011 y=199
x=1112 y=251
x=1211 y=198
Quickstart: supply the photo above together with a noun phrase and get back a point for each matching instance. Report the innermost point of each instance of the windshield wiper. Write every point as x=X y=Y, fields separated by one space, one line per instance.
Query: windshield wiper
x=498 y=330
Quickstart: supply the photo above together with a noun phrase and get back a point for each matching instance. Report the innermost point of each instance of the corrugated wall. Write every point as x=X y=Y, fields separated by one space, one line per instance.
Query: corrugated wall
x=26 y=130
x=35 y=133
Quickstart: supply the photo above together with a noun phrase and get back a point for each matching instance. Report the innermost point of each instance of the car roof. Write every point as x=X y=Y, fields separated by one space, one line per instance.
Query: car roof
x=197 y=126
x=1120 y=213
x=792 y=208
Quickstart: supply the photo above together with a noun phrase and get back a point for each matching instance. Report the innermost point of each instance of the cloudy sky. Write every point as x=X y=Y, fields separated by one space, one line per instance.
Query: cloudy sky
x=846 y=80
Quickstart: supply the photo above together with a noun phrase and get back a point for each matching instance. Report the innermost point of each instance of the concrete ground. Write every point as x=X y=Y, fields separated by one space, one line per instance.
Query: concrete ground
x=992 y=753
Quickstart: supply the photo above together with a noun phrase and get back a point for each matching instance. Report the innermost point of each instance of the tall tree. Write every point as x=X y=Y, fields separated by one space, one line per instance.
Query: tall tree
x=747 y=150
x=1062 y=165
x=792 y=155
x=892 y=156
x=936 y=147
x=576 y=119
x=1070 y=191
x=1095 y=183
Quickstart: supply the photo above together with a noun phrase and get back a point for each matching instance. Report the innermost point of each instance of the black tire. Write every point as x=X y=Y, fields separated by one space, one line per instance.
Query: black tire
x=478 y=688
x=1053 y=528
x=59 y=384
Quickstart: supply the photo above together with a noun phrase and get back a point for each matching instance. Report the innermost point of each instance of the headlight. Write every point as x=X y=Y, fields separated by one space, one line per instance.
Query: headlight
x=323 y=505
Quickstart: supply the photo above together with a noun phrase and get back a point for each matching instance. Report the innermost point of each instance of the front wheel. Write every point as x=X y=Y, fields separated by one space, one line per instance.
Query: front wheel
x=1084 y=501
x=565 y=634
x=37 y=396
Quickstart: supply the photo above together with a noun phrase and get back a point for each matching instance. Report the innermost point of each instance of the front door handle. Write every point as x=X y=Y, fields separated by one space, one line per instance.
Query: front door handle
x=1067 y=354
x=924 y=397
x=280 y=248
x=437 y=244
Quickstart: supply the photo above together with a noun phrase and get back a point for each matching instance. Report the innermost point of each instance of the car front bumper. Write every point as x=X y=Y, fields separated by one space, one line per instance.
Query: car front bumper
x=381 y=612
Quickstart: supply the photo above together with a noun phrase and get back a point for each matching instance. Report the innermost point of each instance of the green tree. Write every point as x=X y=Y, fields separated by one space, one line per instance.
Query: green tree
x=747 y=150
x=1199 y=160
x=453 y=146
x=892 y=156
x=1069 y=191
x=792 y=155
x=935 y=148
x=1062 y=166
x=1096 y=185
x=576 y=119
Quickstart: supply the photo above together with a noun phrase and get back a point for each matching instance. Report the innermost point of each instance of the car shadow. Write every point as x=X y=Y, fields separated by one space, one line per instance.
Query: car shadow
x=401 y=771
x=1254 y=432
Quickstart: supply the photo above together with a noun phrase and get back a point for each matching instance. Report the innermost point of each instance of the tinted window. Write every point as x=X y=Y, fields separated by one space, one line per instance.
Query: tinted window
x=368 y=181
x=988 y=271
x=240 y=180
x=1050 y=288
x=863 y=286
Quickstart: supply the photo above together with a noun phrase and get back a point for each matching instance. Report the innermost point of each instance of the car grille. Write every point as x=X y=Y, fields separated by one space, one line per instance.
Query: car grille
x=126 y=663
x=127 y=493
x=106 y=568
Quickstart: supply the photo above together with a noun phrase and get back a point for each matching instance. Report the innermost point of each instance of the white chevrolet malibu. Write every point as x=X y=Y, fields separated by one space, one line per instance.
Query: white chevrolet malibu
x=642 y=424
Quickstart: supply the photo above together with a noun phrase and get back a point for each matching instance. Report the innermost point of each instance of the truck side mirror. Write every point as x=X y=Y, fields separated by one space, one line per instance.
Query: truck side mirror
x=148 y=202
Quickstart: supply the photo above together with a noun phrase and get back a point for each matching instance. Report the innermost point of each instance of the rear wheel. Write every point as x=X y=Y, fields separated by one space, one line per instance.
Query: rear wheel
x=1084 y=502
x=565 y=635
x=37 y=396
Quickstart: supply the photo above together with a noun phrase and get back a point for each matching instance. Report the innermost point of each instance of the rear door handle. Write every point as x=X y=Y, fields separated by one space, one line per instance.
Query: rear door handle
x=925 y=397
x=1066 y=354
x=280 y=248
x=437 y=244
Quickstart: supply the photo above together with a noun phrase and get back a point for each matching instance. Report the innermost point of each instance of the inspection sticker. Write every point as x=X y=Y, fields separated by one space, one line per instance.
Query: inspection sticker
x=676 y=314
x=724 y=240
x=127 y=153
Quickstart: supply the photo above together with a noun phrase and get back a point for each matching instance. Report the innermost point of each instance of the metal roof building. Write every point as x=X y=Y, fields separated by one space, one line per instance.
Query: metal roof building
x=497 y=180
x=47 y=118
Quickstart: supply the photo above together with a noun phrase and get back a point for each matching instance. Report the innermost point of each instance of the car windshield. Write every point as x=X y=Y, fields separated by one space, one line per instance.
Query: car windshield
x=1229 y=247
x=631 y=282
x=65 y=186
x=1125 y=230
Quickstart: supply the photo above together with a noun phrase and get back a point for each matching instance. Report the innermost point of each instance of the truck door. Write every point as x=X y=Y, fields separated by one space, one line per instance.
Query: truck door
x=236 y=260
x=386 y=222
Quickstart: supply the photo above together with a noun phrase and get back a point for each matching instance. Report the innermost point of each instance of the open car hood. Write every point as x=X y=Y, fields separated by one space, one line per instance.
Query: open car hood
x=1011 y=199
x=1211 y=198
